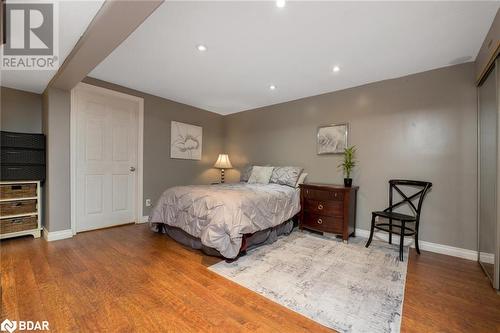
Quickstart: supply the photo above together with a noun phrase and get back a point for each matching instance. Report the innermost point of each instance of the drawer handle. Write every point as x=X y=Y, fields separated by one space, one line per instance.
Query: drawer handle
x=335 y=194
x=320 y=206
x=320 y=221
x=16 y=221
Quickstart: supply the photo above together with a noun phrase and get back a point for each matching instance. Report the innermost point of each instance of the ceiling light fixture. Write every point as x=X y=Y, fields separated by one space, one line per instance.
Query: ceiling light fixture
x=201 y=48
x=280 y=3
x=336 y=69
x=272 y=87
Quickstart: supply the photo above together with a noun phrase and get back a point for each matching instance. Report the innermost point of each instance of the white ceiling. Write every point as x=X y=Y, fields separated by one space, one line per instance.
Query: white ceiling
x=74 y=18
x=252 y=45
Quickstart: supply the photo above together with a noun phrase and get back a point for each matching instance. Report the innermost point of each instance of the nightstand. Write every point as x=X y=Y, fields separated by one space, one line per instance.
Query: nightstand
x=328 y=208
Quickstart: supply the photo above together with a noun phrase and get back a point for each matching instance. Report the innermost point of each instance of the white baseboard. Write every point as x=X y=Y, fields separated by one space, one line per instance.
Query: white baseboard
x=144 y=219
x=426 y=246
x=51 y=236
x=488 y=258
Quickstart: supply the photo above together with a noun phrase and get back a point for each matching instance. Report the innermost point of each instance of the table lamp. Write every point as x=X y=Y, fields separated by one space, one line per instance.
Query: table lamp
x=223 y=163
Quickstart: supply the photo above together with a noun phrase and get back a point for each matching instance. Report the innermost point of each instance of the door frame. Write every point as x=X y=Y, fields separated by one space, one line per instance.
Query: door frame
x=73 y=139
x=495 y=279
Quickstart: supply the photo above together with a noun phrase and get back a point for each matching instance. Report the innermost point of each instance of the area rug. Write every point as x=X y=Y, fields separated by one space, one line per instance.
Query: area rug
x=346 y=287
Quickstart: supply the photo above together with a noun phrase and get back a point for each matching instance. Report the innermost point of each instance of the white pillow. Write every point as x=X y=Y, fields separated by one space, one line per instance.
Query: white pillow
x=260 y=175
x=301 y=179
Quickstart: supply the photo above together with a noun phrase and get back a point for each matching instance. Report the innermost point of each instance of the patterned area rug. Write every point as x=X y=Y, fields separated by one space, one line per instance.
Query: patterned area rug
x=346 y=287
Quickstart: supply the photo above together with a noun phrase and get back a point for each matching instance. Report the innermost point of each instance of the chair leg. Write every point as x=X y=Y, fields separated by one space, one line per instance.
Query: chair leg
x=372 y=229
x=390 y=231
x=416 y=243
x=402 y=241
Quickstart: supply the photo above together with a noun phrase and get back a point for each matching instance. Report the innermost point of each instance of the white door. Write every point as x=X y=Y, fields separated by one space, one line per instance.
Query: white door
x=106 y=158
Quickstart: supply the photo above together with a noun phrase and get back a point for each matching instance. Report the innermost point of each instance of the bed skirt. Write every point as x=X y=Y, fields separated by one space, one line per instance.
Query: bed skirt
x=250 y=241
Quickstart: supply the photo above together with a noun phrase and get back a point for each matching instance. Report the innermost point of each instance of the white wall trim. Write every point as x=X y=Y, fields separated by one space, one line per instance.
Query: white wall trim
x=72 y=161
x=140 y=150
x=424 y=245
x=488 y=258
x=57 y=235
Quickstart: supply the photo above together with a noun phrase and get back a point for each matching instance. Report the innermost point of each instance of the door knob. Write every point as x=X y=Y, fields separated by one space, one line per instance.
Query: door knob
x=132 y=169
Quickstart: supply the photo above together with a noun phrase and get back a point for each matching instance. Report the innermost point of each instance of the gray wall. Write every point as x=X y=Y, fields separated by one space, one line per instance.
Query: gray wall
x=421 y=126
x=160 y=171
x=56 y=126
x=21 y=111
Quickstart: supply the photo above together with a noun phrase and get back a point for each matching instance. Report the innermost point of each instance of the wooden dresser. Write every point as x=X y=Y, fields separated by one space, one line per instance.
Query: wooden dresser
x=20 y=209
x=328 y=208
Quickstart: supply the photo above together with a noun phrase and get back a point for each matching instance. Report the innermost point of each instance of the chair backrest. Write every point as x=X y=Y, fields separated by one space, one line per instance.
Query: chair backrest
x=396 y=184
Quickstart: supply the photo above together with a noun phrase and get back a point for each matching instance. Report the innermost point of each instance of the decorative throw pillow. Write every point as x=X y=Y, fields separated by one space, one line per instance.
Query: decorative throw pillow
x=302 y=178
x=286 y=175
x=245 y=173
x=260 y=175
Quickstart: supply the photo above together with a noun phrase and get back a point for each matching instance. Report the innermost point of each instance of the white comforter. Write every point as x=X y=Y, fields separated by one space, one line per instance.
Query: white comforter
x=220 y=214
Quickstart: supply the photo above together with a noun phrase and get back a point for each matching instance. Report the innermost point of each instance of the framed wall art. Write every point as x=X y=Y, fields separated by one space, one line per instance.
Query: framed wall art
x=332 y=139
x=185 y=141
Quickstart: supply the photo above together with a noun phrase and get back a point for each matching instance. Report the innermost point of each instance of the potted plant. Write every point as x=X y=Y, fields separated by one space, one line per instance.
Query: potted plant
x=348 y=164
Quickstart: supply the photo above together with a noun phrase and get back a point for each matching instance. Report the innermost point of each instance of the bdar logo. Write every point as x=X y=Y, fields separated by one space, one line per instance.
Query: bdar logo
x=9 y=326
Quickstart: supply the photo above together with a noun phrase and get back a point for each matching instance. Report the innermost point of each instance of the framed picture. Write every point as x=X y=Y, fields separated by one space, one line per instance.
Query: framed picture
x=185 y=141
x=332 y=139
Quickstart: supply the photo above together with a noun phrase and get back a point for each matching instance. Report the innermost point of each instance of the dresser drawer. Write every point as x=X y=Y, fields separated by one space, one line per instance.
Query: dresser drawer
x=323 y=223
x=328 y=208
x=18 y=224
x=323 y=195
x=17 y=207
x=17 y=191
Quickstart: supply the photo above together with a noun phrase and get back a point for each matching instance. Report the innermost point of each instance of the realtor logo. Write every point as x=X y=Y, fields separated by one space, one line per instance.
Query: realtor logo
x=31 y=37
x=8 y=326
x=24 y=325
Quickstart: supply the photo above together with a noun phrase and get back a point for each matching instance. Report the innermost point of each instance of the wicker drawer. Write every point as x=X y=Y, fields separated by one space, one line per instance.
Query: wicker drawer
x=17 y=191
x=329 y=208
x=22 y=156
x=323 y=195
x=22 y=172
x=18 y=207
x=323 y=223
x=22 y=140
x=18 y=224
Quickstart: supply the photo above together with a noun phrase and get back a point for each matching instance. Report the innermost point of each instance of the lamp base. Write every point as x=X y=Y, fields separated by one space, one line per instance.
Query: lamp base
x=222 y=176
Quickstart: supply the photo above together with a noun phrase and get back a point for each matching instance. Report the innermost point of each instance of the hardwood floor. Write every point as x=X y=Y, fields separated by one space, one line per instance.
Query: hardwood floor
x=129 y=279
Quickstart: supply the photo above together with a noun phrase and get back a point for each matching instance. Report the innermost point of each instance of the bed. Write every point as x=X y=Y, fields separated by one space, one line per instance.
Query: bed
x=225 y=219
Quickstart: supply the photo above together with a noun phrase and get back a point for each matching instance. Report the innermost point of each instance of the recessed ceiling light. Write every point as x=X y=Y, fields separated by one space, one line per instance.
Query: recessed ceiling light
x=272 y=87
x=201 y=48
x=280 y=3
x=336 y=69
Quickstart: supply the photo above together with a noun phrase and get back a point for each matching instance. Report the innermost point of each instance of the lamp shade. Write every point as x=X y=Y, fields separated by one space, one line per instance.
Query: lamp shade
x=223 y=162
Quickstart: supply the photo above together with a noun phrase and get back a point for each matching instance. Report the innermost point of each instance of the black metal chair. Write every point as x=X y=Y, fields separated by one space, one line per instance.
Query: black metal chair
x=404 y=219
